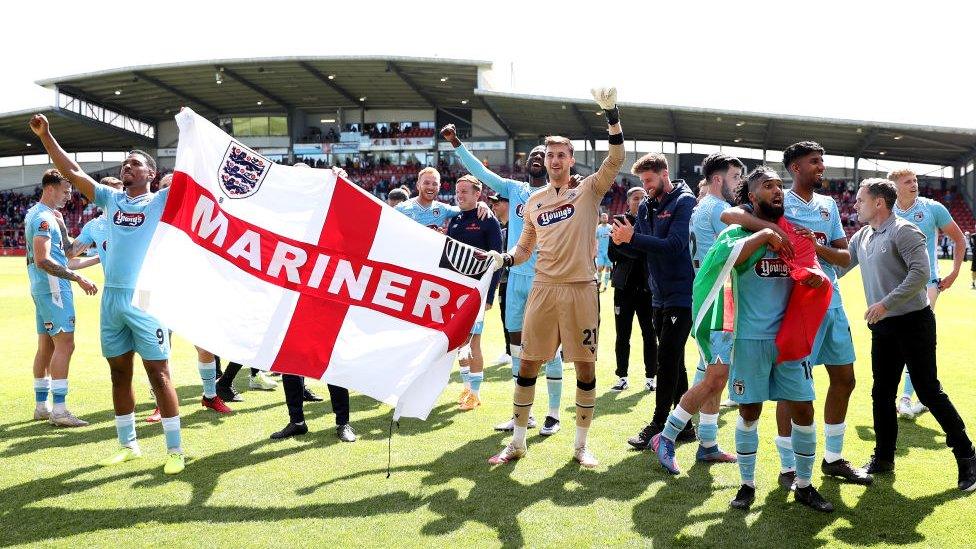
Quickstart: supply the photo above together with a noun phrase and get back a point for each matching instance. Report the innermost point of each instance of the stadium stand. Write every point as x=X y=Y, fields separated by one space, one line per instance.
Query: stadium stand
x=353 y=109
x=380 y=179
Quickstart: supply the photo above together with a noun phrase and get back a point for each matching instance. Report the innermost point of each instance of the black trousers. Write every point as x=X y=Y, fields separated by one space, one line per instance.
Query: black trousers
x=909 y=339
x=295 y=388
x=227 y=379
x=672 y=325
x=502 y=287
x=627 y=302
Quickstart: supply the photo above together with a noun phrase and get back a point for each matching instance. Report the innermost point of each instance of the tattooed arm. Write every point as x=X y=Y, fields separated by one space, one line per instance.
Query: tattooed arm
x=43 y=260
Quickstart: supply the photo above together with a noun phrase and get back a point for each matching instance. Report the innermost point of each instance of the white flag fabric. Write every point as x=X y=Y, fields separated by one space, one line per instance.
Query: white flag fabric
x=298 y=271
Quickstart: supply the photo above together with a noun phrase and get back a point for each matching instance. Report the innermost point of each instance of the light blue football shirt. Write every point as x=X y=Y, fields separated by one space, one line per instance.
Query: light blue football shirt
x=95 y=234
x=929 y=216
x=762 y=293
x=602 y=239
x=706 y=224
x=131 y=223
x=516 y=192
x=434 y=216
x=43 y=221
x=821 y=216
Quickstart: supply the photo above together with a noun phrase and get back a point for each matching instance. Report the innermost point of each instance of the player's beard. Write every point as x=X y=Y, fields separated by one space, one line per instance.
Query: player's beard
x=770 y=211
x=727 y=194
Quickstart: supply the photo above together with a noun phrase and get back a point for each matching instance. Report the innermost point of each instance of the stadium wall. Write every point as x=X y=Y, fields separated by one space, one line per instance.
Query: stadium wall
x=17 y=177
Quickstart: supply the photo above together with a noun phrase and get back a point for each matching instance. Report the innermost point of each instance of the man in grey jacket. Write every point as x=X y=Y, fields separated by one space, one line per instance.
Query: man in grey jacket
x=895 y=268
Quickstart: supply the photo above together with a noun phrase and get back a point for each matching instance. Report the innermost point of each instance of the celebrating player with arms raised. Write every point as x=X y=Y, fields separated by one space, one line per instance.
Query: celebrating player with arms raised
x=125 y=329
x=563 y=305
x=520 y=277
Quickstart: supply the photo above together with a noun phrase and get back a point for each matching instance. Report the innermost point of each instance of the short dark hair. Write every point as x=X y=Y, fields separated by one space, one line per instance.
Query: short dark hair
x=799 y=150
x=880 y=187
x=761 y=173
x=149 y=160
x=654 y=162
x=398 y=193
x=719 y=162
x=52 y=177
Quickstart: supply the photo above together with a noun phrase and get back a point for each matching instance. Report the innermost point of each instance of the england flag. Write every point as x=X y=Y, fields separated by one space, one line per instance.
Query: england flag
x=299 y=271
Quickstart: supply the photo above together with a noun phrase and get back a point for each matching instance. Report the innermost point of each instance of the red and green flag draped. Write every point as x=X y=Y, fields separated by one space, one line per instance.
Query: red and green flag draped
x=805 y=310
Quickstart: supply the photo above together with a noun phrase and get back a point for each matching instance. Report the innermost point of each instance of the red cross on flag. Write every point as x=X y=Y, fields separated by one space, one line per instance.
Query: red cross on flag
x=298 y=271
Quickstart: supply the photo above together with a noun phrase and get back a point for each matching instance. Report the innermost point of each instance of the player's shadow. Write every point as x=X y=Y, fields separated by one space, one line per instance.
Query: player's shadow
x=776 y=525
x=662 y=516
x=40 y=435
x=612 y=403
x=24 y=509
x=495 y=488
x=902 y=515
x=910 y=435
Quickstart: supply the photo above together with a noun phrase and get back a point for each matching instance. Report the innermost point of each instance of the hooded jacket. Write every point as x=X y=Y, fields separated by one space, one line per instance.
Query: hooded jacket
x=661 y=234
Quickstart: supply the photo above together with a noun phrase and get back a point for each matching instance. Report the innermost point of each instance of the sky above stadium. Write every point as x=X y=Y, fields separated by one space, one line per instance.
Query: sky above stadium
x=838 y=59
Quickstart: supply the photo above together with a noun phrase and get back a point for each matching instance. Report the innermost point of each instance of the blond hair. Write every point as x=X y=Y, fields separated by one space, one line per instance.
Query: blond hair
x=430 y=170
x=559 y=140
x=475 y=183
x=894 y=175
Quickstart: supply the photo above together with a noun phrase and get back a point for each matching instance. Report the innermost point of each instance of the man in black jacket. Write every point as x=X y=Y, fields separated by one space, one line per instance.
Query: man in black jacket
x=631 y=296
x=661 y=236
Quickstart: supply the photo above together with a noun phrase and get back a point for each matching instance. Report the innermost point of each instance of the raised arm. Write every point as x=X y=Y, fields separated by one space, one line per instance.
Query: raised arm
x=605 y=175
x=68 y=167
x=474 y=166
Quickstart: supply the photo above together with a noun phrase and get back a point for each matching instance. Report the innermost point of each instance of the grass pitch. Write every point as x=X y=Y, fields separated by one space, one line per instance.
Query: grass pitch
x=242 y=489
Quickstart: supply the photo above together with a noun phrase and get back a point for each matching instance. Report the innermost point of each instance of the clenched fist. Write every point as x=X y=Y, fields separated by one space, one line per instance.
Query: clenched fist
x=39 y=124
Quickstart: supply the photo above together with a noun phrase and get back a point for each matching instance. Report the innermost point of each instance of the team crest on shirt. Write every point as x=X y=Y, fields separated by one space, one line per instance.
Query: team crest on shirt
x=919 y=216
x=43 y=226
x=464 y=259
x=555 y=216
x=739 y=387
x=824 y=214
x=772 y=267
x=127 y=219
x=520 y=210
x=242 y=170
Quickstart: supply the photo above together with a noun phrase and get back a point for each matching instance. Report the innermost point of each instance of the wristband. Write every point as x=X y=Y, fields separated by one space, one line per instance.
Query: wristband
x=613 y=115
x=616 y=139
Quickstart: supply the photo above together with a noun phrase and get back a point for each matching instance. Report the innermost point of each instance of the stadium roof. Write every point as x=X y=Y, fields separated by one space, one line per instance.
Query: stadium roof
x=154 y=93
x=578 y=118
x=76 y=133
